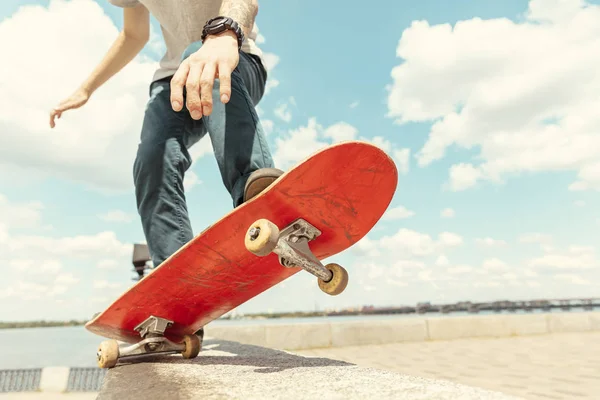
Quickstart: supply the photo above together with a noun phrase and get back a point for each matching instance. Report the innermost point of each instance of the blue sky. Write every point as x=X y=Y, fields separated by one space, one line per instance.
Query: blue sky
x=498 y=147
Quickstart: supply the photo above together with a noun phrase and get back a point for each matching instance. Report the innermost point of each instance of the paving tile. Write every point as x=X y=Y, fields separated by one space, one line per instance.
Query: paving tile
x=558 y=366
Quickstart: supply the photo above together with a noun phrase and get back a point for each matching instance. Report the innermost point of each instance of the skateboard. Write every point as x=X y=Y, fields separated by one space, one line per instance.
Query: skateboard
x=319 y=208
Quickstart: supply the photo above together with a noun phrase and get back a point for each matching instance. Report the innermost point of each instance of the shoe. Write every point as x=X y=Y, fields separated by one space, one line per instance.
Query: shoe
x=259 y=180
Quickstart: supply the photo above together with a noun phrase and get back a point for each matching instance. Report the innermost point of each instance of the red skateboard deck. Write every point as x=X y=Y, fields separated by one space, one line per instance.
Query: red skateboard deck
x=342 y=190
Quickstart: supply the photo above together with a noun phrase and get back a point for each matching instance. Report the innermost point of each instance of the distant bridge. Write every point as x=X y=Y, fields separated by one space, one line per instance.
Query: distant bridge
x=471 y=307
x=507 y=305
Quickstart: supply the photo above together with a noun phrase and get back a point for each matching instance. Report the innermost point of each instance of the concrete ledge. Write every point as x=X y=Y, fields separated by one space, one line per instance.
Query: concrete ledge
x=378 y=332
x=405 y=329
x=486 y=326
x=570 y=322
x=230 y=370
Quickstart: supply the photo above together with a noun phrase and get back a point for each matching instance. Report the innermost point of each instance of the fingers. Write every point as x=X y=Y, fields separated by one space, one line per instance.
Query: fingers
x=53 y=114
x=192 y=87
x=198 y=76
x=207 y=80
x=177 y=83
x=57 y=112
x=225 y=82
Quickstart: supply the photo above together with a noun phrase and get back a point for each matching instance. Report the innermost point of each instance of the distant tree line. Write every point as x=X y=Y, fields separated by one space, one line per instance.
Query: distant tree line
x=39 y=324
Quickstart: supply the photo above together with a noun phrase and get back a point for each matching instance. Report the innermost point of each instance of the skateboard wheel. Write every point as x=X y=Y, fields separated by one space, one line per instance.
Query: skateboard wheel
x=261 y=238
x=338 y=281
x=108 y=354
x=192 y=346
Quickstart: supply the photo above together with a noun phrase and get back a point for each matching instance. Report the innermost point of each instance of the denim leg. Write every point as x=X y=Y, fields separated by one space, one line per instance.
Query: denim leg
x=235 y=130
x=162 y=158
x=161 y=161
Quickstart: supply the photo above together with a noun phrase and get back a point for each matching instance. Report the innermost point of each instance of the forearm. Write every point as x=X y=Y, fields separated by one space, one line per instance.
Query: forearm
x=122 y=51
x=242 y=11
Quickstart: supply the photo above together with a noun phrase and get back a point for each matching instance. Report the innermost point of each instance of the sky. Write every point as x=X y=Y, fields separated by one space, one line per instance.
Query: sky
x=488 y=108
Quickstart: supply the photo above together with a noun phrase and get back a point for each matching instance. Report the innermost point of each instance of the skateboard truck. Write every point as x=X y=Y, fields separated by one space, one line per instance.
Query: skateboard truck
x=291 y=245
x=152 y=331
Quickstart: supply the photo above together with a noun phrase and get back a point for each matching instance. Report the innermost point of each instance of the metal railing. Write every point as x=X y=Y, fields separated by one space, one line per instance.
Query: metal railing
x=85 y=379
x=20 y=380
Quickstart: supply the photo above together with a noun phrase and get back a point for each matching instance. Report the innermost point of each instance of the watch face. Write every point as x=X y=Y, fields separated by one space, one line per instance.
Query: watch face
x=219 y=21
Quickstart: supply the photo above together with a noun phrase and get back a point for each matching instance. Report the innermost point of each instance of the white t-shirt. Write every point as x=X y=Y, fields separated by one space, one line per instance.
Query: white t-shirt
x=181 y=22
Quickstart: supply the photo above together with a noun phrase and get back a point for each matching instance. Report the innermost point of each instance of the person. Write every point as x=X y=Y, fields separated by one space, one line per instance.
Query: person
x=209 y=81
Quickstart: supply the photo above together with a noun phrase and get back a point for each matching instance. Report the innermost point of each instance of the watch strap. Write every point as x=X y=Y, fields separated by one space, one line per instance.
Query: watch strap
x=221 y=24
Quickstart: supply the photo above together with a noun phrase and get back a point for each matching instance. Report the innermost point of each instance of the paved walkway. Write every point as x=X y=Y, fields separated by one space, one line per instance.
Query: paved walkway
x=557 y=366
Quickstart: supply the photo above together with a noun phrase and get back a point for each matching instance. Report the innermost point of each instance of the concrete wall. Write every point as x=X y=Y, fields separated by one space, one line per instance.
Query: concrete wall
x=339 y=334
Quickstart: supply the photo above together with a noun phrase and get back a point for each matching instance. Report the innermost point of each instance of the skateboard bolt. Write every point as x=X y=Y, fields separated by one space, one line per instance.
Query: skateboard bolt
x=254 y=232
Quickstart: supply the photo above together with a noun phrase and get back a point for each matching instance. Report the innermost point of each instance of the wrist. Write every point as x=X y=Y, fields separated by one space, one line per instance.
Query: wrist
x=226 y=35
x=86 y=89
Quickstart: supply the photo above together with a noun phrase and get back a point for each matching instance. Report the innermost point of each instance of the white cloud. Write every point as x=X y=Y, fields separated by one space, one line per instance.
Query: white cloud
x=442 y=261
x=298 y=144
x=283 y=113
x=402 y=159
x=86 y=146
x=495 y=265
x=107 y=264
x=490 y=242
x=84 y=246
x=522 y=93
x=418 y=262
x=37 y=282
x=267 y=125
x=407 y=243
x=42 y=271
x=579 y=203
x=190 y=180
x=539 y=238
x=447 y=213
x=354 y=104
x=460 y=270
x=103 y=284
x=270 y=62
x=574 y=258
x=16 y=215
x=66 y=279
x=260 y=39
x=271 y=84
x=341 y=131
x=116 y=216
x=572 y=279
x=302 y=141
x=463 y=176
x=202 y=148
x=449 y=239
x=399 y=212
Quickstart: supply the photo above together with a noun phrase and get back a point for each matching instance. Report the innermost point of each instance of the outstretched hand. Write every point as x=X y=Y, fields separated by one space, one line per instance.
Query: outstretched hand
x=76 y=100
x=217 y=58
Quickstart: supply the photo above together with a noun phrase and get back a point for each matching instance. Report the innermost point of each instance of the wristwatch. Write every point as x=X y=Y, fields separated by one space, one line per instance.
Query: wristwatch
x=217 y=25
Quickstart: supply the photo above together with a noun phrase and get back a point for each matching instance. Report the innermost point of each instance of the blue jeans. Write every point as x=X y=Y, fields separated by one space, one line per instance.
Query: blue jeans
x=163 y=158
